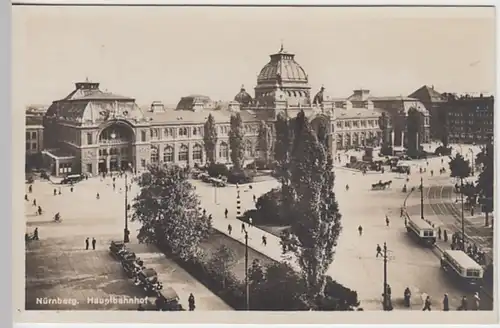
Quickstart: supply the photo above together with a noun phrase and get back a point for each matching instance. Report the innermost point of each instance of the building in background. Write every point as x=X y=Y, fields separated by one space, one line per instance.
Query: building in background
x=469 y=119
x=357 y=126
x=91 y=131
x=34 y=141
x=433 y=102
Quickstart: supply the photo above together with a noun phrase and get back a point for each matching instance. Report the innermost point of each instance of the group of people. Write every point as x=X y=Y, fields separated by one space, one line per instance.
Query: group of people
x=427 y=306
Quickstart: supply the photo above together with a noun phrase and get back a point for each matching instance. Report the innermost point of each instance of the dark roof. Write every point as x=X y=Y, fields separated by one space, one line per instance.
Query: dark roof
x=34 y=120
x=427 y=94
x=201 y=116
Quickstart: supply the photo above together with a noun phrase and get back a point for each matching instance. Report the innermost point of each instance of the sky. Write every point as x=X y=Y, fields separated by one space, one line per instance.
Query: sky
x=165 y=53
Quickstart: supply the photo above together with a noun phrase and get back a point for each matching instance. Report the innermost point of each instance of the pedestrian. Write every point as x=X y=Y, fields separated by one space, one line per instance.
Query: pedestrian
x=229 y=229
x=346 y=187
x=30 y=189
x=360 y=230
x=35 y=234
x=60 y=191
x=210 y=217
x=472 y=211
x=34 y=202
x=55 y=191
x=26 y=197
x=243 y=227
x=114 y=186
x=87 y=243
x=379 y=251
x=427 y=304
x=254 y=198
x=446 y=303
x=477 y=301
x=264 y=240
x=191 y=302
x=71 y=189
x=93 y=243
x=439 y=233
x=386 y=220
x=432 y=173
x=402 y=211
x=204 y=212
x=463 y=304
x=39 y=210
x=226 y=212
x=97 y=196
x=250 y=221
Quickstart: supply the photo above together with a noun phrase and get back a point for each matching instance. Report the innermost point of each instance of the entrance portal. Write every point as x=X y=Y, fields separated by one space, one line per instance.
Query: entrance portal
x=102 y=167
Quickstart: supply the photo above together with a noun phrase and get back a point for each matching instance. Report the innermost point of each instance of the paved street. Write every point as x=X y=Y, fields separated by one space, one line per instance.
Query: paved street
x=58 y=265
x=355 y=263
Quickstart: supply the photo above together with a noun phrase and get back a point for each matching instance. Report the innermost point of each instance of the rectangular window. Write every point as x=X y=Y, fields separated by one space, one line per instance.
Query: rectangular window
x=143 y=136
x=33 y=135
x=33 y=146
x=28 y=136
x=89 y=138
x=89 y=168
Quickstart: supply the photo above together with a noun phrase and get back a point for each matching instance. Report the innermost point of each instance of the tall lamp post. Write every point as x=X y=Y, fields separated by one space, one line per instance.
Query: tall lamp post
x=387 y=306
x=126 y=232
x=247 y=286
x=422 y=198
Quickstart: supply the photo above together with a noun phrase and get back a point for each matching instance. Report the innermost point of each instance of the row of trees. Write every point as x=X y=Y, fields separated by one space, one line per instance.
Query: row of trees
x=305 y=171
x=236 y=140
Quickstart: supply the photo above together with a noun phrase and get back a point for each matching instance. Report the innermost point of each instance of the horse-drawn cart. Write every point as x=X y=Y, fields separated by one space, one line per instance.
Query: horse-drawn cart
x=381 y=185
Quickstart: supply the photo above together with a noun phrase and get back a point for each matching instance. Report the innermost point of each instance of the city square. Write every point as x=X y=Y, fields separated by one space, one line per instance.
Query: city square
x=301 y=174
x=85 y=216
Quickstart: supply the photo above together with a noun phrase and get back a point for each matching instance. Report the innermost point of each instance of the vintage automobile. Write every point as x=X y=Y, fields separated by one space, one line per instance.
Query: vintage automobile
x=381 y=185
x=116 y=246
x=168 y=300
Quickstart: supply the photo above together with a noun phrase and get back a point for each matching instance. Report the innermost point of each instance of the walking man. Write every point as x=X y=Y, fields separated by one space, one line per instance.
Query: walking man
x=476 y=301
x=427 y=304
x=87 y=243
x=93 y=243
x=264 y=240
x=360 y=230
x=229 y=229
x=386 y=220
x=35 y=234
x=446 y=303
x=34 y=202
x=250 y=221
x=97 y=196
x=439 y=233
x=226 y=212
x=254 y=199
x=191 y=302
x=243 y=227
x=379 y=251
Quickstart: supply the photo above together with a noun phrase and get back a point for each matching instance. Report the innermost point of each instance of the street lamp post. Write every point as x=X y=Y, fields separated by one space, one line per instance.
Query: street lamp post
x=246 y=273
x=126 y=232
x=462 y=212
x=387 y=297
x=422 y=198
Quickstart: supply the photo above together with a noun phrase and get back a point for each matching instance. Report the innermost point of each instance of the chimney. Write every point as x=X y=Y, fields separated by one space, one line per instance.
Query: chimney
x=157 y=107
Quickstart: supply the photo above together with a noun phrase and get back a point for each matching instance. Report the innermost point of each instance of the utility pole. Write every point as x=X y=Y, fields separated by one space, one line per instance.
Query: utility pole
x=462 y=214
x=387 y=297
x=246 y=273
x=422 y=198
x=126 y=238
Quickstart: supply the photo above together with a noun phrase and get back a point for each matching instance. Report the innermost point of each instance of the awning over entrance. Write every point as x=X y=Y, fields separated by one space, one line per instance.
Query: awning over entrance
x=58 y=154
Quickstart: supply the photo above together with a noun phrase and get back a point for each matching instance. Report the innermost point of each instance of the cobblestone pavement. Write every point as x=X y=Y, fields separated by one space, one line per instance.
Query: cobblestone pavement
x=58 y=266
x=355 y=263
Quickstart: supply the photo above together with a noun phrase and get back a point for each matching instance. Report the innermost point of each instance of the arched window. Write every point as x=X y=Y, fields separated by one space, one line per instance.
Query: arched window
x=168 y=154
x=248 y=148
x=154 y=155
x=195 y=131
x=183 y=153
x=197 y=152
x=223 y=151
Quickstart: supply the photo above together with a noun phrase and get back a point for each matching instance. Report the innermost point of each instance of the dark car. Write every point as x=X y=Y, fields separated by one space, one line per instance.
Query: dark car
x=73 y=178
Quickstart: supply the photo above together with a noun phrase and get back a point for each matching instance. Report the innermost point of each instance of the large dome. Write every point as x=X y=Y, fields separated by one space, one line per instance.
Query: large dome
x=243 y=97
x=282 y=68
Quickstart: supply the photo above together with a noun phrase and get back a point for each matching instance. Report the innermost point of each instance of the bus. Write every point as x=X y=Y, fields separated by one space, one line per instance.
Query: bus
x=464 y=269
x=422 y=230
x=72 y=178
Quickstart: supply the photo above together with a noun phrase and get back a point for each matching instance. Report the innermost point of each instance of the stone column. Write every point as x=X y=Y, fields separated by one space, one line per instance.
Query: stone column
x=57 y=167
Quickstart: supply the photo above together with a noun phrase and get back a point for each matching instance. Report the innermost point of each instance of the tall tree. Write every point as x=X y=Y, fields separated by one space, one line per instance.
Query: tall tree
x=315 y=225
x=486 y=179
x=460 y=169
x=210 y=138
x=444 y=128
x=264 y=141
x=167 y=208
x=322 y=134
x=385 y=128
x=282 y=145
x=236 y=135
